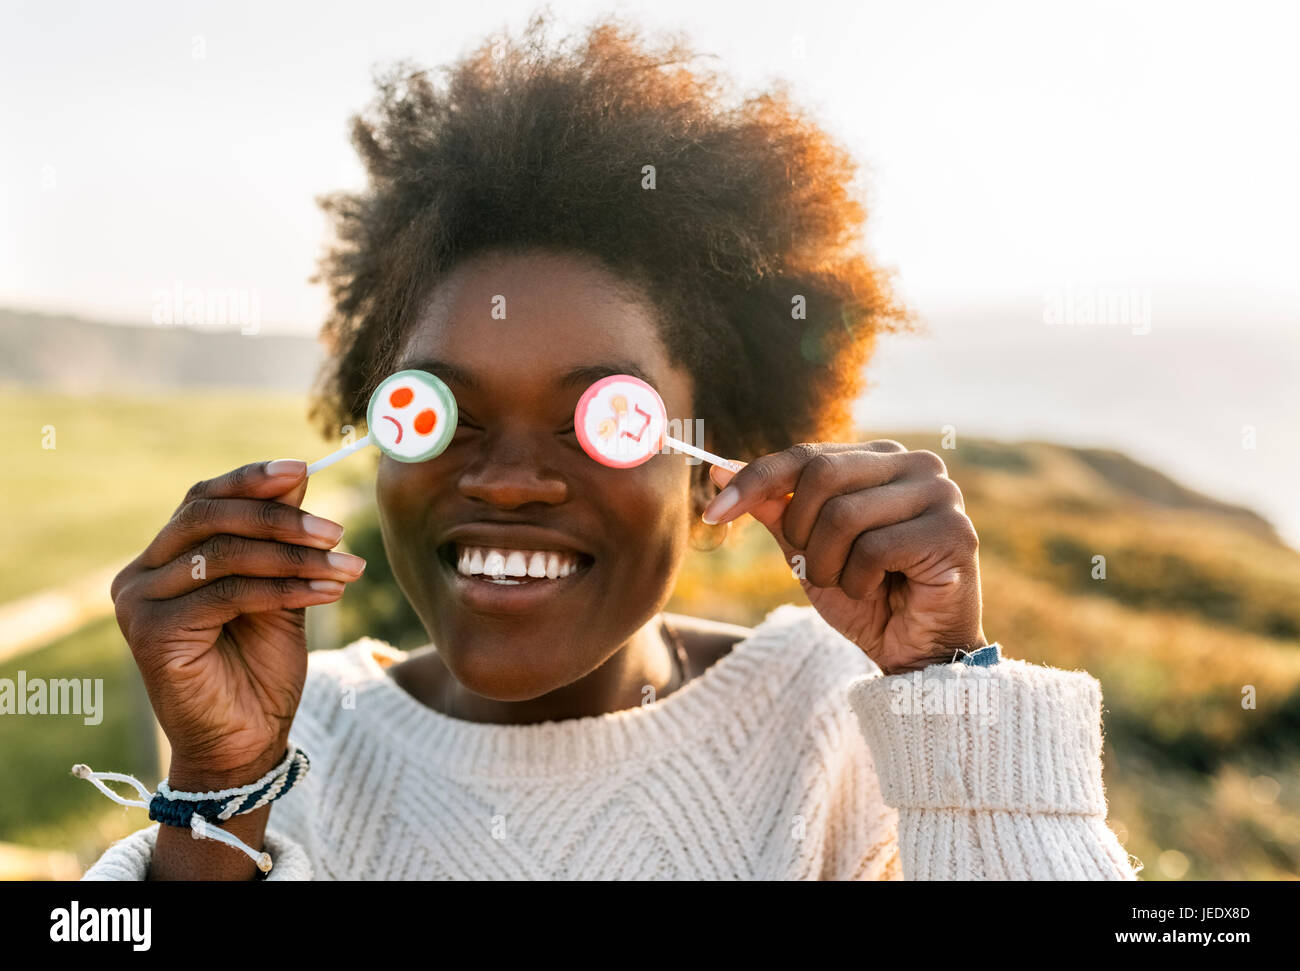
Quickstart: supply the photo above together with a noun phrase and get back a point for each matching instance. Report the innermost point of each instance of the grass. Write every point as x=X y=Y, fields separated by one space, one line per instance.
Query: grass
x=120 y=466
x=44 y=805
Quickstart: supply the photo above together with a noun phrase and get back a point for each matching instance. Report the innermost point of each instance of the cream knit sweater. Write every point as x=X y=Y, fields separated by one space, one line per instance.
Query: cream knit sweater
x=790 y=758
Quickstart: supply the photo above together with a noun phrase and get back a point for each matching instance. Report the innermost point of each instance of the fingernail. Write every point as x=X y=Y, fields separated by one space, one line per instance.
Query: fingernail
x=322 y=528
x=723 y=501
x=286 y=467
x=326 y=586
x=346 y=562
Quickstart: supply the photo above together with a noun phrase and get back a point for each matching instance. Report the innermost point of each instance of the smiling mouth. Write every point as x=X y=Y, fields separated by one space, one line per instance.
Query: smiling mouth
x=507 y=566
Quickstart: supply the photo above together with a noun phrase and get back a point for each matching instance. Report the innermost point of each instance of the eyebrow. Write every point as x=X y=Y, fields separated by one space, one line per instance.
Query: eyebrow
x=581 y=376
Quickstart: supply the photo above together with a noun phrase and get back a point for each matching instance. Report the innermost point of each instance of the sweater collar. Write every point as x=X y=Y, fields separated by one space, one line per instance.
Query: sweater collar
x=574 y=745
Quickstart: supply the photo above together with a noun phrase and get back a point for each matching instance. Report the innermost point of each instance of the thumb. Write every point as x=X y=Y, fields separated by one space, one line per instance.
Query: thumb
x=295 y=495
x=769 y=513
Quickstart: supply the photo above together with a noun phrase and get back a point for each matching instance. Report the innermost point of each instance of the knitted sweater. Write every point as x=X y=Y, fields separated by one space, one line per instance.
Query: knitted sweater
x=792 y=757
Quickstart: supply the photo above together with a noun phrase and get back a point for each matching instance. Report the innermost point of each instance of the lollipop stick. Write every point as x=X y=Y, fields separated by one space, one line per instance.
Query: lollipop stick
x=718 y=460
x=342 y=453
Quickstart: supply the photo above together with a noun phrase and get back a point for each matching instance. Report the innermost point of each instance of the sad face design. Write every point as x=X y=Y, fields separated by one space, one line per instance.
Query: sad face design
x=620 y=421
x=412 y=416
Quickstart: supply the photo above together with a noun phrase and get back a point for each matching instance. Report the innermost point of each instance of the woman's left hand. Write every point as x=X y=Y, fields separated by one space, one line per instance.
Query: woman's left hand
x=880 y=540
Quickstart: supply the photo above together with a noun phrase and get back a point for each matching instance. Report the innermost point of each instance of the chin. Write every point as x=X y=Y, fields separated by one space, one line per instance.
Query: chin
x=512 y=666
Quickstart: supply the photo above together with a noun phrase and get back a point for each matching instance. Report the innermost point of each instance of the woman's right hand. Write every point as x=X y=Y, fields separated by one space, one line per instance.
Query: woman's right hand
x=213 y=611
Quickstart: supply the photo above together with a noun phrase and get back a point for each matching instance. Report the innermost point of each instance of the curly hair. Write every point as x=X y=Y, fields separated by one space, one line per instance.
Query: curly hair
x=751 y=220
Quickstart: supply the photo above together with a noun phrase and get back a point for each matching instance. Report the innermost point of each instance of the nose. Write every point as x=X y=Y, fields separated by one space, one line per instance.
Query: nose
x=509 y=472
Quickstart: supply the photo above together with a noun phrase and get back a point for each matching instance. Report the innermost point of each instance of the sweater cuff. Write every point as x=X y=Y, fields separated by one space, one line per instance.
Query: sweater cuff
x=129 y=858
x=1016 y=737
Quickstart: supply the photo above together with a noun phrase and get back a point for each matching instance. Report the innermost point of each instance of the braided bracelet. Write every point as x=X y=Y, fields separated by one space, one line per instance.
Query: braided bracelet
x=196 y=810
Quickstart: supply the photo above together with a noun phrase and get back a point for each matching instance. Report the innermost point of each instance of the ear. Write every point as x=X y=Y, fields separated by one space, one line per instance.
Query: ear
x=716 y=535
x=703 y=537
x=702 y=489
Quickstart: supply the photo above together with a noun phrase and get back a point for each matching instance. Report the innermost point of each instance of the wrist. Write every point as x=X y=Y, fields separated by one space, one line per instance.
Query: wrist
x=186 y=775
x=179 y=856
x=180 y=852
x=938 y=655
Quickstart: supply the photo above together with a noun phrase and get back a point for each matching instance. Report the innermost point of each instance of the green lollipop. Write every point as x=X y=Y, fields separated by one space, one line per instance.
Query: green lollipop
x=411 y=418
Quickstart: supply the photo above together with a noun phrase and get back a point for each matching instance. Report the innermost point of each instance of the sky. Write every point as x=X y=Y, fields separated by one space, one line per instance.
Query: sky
x=1012 y=153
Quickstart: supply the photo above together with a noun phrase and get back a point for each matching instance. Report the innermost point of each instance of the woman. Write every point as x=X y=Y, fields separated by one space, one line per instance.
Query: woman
x=544 y=219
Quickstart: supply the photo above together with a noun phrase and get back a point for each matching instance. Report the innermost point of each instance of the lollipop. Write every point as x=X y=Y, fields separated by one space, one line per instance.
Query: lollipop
x=411 y=416
x=621 y=422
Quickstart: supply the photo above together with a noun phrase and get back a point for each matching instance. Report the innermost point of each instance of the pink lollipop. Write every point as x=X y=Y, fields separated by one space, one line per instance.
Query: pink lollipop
x=621 y=422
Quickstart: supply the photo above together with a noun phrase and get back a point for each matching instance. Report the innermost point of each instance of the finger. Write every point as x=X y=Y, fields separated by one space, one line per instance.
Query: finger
x=772 y=476
x=295 y=495
x=767 y=477
x=770 y=511
x=721 y=476
x=778 y=473
x=835 y=474
x=257 y=480
x=885 y=445
x=124 y=577
x=219 y=603
x=227 y=555
x=199 y=519
x=843 y=518
x=927 y=550
x=258 y=477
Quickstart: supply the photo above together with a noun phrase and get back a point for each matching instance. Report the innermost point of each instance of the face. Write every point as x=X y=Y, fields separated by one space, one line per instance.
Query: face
x=514 y=490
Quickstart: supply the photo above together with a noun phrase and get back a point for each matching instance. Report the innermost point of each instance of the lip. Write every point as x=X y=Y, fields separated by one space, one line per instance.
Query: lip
x=518 y=536
x=486 y=597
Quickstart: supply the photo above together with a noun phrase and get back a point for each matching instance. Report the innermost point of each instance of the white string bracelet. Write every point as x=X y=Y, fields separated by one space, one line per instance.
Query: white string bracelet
x=197 y=809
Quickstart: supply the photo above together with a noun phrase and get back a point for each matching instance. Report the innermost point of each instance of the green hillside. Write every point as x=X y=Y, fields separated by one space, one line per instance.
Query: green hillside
x=121 y=464
x=1198 y=609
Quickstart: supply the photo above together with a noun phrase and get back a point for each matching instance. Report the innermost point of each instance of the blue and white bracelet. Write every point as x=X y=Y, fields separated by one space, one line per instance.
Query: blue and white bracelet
x=196 y=810
x=983 y=657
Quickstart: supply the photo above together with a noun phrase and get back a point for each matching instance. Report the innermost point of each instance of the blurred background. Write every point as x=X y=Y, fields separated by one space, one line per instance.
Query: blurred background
x=1092 y=210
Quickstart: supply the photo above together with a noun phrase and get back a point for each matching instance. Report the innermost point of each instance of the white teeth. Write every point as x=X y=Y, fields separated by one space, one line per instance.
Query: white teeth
x=498 y=563
x=494 y=564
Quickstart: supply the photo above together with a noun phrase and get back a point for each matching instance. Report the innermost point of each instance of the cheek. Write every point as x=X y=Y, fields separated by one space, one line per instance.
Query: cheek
x=402 y=494
x=390 y=494
x=654 y=518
